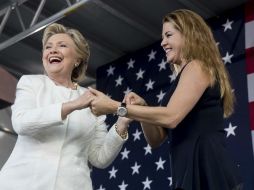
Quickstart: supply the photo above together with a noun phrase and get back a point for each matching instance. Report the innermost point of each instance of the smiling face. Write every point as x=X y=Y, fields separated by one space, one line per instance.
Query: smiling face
x=59 y=56
x=172 y=42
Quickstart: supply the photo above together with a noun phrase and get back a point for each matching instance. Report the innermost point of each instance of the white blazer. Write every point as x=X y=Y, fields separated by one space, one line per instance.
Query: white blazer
x=51 y=153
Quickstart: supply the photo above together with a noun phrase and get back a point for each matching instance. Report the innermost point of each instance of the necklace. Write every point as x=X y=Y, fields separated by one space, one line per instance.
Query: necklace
x=72 y=85
x=75 y=86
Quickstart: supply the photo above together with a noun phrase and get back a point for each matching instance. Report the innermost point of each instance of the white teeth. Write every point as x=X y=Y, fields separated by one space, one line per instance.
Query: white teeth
x=55 y=59
x=167 y=50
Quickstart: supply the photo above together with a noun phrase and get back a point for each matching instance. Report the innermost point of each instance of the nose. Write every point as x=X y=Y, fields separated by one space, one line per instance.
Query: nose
x=163 y=43
x=53 y=50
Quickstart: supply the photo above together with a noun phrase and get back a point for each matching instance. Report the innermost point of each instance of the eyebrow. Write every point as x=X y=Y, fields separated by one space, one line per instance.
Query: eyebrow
x=57 y=42
x=164 y=34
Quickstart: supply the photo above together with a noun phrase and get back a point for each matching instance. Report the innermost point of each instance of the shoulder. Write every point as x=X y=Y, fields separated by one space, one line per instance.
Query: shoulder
x=196 y=69
x=32 y=80
x=194 y=72
x=194 y=65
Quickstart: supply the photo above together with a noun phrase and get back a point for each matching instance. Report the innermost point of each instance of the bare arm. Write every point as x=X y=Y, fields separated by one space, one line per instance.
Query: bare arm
x=190 y=88
x=154 y=135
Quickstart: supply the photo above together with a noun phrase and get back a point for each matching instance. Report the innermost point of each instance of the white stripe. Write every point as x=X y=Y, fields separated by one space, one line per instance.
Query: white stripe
x=249 y=37
x=252 y=133
x=250 y=83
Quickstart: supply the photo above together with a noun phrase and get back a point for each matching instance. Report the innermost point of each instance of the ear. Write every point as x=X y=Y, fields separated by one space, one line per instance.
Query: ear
x=76 y=64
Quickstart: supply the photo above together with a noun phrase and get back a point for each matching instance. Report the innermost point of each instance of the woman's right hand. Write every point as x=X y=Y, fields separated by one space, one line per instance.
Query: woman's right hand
x=81 y=102
x=84 y=100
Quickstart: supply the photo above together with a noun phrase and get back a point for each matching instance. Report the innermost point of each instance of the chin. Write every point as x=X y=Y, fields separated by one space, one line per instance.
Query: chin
x=169 y=60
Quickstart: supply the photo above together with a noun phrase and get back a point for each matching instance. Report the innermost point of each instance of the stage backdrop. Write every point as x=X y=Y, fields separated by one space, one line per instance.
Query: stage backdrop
x=146 y=72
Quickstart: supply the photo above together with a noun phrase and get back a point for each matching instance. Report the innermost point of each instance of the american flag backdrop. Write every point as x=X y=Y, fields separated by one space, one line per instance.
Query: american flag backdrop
x=146 y=72
x=249 y=47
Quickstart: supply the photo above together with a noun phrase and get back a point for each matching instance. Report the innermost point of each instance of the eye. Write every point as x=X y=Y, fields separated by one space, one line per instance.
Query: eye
x=63 y=45
x=168 y=35
x=47 y=47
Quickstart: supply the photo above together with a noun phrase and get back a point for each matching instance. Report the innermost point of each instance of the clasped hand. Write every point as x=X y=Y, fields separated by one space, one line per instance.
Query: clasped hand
x=101 y=104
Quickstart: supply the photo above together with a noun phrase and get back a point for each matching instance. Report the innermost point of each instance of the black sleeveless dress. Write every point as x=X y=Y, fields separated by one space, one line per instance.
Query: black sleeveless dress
x=199 y=159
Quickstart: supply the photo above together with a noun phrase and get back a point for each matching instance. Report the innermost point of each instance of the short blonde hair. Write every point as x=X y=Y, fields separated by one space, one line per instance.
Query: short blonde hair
x=81 y=47
x=199 y=44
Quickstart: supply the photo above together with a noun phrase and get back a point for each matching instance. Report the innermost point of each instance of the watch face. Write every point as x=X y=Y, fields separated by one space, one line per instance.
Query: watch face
x=121 y=111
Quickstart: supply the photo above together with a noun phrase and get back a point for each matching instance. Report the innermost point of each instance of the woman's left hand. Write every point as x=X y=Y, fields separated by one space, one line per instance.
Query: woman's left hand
x=102 y=104
x=134 y=99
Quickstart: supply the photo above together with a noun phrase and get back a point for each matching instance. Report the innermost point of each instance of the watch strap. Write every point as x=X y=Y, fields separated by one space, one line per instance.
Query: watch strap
x=123 y=104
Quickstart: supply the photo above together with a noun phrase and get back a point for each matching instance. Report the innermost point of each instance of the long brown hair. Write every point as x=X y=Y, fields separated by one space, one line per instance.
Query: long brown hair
x=200 y=45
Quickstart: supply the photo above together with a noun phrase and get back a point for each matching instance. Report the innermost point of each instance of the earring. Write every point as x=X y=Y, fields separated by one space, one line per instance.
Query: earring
x=76 y=64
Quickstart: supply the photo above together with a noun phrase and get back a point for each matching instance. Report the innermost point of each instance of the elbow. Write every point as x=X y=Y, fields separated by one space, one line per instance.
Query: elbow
x=101 y=164
x=170 y=122
x=156 y=142
x=17 y=123
x=17 y=130
x=18 y=127
x=171 y=125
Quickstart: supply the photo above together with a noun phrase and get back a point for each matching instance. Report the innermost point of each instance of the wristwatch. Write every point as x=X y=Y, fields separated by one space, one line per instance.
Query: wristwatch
x=122 y=110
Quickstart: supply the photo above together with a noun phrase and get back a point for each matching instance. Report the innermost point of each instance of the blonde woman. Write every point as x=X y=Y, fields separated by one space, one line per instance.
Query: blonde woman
x=57 y=133
x=193 y=110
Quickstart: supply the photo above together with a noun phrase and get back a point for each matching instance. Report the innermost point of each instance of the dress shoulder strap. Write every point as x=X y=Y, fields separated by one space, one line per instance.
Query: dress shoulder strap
x=182 y=69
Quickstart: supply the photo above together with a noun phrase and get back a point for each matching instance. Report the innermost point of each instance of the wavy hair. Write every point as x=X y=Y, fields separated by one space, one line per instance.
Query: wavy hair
x=200 y=45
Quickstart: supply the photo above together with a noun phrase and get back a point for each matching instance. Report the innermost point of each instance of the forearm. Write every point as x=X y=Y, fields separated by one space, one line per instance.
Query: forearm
x=154 y=116
x=154 y=135
x=160 y=116
x=105 y=147
x=67 y=108
x=121 y=127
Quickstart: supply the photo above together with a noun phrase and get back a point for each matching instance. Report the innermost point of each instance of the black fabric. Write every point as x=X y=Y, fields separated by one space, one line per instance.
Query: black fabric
x=198 y=154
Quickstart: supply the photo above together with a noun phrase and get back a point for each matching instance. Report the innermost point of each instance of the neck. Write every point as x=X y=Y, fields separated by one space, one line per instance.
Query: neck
x=179 y=65
x=62 y=81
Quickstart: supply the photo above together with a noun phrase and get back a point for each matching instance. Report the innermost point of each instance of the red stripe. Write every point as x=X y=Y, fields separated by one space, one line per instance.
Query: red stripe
x=250 y=60
x=249 y=16
x=249 y=11
x=251 y=107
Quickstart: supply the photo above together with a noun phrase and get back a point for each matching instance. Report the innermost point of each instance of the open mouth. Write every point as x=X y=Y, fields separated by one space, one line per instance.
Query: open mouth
x=55 y=60
x=168 y=50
